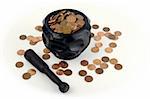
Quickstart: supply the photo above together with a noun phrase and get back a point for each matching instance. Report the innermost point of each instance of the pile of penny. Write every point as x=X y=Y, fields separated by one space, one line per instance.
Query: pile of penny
x=46 y=54
x=62 y=68
x=28 y=74
x=66 y=22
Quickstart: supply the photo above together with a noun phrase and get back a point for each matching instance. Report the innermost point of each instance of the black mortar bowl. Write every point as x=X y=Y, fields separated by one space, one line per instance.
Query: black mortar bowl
x=66 y=46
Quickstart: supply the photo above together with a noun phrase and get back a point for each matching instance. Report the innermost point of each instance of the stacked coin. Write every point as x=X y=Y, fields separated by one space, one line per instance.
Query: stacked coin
x=66 y=22
x=28 y=74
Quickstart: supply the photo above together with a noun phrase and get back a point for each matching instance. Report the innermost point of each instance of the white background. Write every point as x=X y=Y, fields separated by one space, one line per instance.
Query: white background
x=132 y=17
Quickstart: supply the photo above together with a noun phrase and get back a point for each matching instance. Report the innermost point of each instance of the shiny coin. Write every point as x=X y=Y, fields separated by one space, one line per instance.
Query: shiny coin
x=46 y=50
x=106 y=29
x=46 y=56
x=67 y=72
x=84 y=62
x=118 y=66
x=117 y=33
x=105 y=59
x=108 y=49
x=97 y=61
x=39 y=28
x=98 y=44
x=23 y=37
x=95 y=49
x=91 y=67
x=95 y=26
x=88 y=78
x=99 y=71
x=20 y=52
x=113 y=61
x=26 y=76
x=104 y=65
x=55 y=66
x=59 y=72
x=82 y=72
x=19 y=64
x=112 y=45
x=32 y=72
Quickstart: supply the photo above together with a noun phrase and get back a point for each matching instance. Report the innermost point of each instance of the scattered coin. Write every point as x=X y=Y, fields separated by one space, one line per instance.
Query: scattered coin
x=82 y=72
x=106 y=29
x=108 y=49
x=99 y=71
x=23 y=37
x=46 y=50
x=26 y=76
x=95 y=49
x=32 y=43
x=30 y=37
x=118 y=66
x=97 y=61
x=20 y=52
x=46 y=56
x=32 y=71
x=105 y=59
x=88 y=78
x=39 y=28
x=67 y=72
x=84 y=62
x=55 y=66
x=98 y=44
x=63 y=64
x=104 y=65
x=59 y=72
x=112 y=45
x=97 y=38
x=92 y=34
x=110 y=36
x=117 y=33
x=95 y=26
x=113 y=61
x=101 y=34
x=91 y=67
x=19 y=64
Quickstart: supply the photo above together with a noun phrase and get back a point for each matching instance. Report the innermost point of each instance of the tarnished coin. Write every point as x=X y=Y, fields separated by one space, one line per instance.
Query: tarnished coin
x=46 y=56
x=23 y=37
x=106 y=29
x=55 y=66
x=19 y=64
x=63 y=64
x=97 y=61
x=46 y=50
x=21 y=52
x=82 y=72
x=99 y=70
x=95 y=49
x=67 y=72
x=95 y=26
x=105 y=59
x=101 y=34
x=88 y=78
x=112 y=45
x=26 y=76
x=113 y=61
x=104 y=65
x=39 y=28
x=117 y=33
x=59 y=72
x=97 y=38
x=32 y=71
x=98 y=44
x=118 y=66
x=91 y=67
x=108 y=49
x=84 y=62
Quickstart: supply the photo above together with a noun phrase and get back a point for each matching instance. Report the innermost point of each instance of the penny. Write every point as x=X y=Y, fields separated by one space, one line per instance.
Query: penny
x=59 y=72
x=99 y=71
x=39 y=28
x=110 y=36
x=91 y=67
x=97 y=38
x=108 y=49
x=98 y=44
x=30 y=37
x=67 y=72
x=106 y=29
x=92 y=34
x=71 y=18
x=32 y=71
x=63 y=64
x=118 y=66
x=105 y=59
x=95 y=49
x=32 y=43
x=55 y=66
x=46 y=50
x=97 y=61
x=23 y=37
x=26 y=76
x=112 y=45
x=19 y=64
x=113 y=61
x=117 y=33
x=88 y=78
x=79 y=17
x=104 y=65
x=20 y=52
x=84 y=62
x=45 y=56
x=95 y=26
x=82 y=72
x=100 y=34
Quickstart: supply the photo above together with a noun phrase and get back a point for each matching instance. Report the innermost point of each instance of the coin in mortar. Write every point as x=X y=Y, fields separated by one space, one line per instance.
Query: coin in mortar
x=108 y=49
x=26 y=76
x=113 y=61
x=112 y=45
x=98 y=44
x=118 y=66
x=71 y=18
x=63 y=64
x=88 y=78
x=117 y=33
x=67 y=72
x=22 y=37
x=19 y=64
x=91 y=67
x=99 y=70
x=95 y=49
x=95 y=26
x=46 y=50
x=104 y=65
x=97 y=61
x=32 y=71
x=45 y=56
x=82 y=72
x=106 y=29
x=55 y=66
x=59 y=72
x=105 y=59
x=21 y=52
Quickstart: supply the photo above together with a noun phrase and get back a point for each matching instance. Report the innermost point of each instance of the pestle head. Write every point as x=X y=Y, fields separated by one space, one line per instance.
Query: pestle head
x=64 y=87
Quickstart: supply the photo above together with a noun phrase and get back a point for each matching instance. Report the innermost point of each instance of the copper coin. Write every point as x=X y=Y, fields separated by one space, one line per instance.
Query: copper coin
x=112 y=44
x=98 y=44
x=92 y=34
x=82 y=72
x=118 y=66
x=55 y=66
x=30 y=37
x=20 y=52
x=95 y=26
x=32 y=71
x=91 y=67
x=26 y=76
x=117 y=33
x=39 y=28
x=84 y=62
x=113 y=61
x=88 y=78
x=104 y=65
x=46 y=50
x=95 y=49
x=110 y=36
x=105 y=59
x=106 y=29
x=108 y=49
x=63 y=64
x=100 y=34
x=59 y=72
x=19 y=64
x=99 y=71
x=32 y=43
x=97 y=38
x=46 y=56
x=23 y=37
x=67 y=72
x=97 y=61
x=71 y=18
